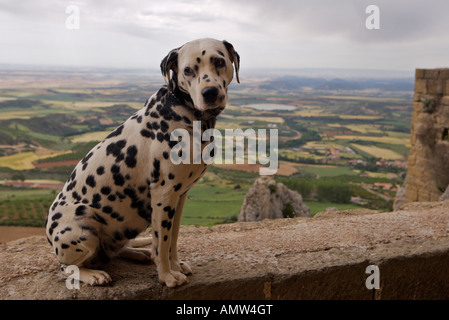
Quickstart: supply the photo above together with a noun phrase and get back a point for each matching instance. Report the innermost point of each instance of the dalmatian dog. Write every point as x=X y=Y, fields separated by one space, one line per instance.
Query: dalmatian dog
x=128 y=181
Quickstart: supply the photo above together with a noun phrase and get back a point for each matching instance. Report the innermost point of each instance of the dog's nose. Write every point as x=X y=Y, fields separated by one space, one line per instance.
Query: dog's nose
x=210 y=94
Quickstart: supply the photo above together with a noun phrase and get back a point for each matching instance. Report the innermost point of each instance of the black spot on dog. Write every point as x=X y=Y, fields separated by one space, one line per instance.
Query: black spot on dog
x=96 y=198
x=118 y=179
x=116 y=132
x=54 y=225
x=99 y=219
x=165 y=155
x=130 y=159
x=177 y=187
x=171 y=144
x=170 y=211
x=154 y=114
x=71 y=185
x=198 y=60
x=56 y=216
x=203 y=53
x=171 y=176
x=64 y=246
x=118 y=236
x=53 y=207
x=100 y=170
x=84 y=190
x=76 y=196
x=186 y=120
x=155 y=125
x=107 y=209
x=105 y=190
x=90 y=181
x=86 y=158
x=164 y=126
x=115 y=148
x=115 y=168
x=112 y=197
x=80 y=211
x=156 y=170
x=145 y=133
x=130 y=233
x=166 y=224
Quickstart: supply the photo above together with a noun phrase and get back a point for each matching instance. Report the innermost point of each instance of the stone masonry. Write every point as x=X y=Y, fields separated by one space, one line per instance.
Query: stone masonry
x=428 y=162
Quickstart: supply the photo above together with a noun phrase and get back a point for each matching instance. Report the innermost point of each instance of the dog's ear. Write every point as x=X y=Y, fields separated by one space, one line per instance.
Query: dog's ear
x=170 y=62
x=235 y=58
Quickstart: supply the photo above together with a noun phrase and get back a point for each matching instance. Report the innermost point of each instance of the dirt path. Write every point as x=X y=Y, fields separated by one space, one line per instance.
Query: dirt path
x=14 y=233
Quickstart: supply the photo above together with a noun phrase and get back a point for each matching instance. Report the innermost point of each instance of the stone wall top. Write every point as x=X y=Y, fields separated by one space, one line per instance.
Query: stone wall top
x=324 y=257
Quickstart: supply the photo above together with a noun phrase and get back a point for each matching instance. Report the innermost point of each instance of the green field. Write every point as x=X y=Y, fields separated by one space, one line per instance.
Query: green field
x=327 y=171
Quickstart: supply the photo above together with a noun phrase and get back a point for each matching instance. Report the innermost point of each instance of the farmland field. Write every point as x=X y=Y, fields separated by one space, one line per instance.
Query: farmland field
x=50 y=120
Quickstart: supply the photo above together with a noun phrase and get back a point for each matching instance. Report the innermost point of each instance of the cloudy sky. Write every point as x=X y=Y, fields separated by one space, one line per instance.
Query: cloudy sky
x=267 y=34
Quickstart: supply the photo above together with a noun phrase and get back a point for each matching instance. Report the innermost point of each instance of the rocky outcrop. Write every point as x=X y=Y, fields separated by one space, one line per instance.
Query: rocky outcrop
x=270 y=200
x=428 y=161
x=325 y=257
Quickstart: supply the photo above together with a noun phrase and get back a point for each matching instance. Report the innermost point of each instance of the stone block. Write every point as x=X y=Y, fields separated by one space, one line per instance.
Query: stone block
x=434 y=86
x=419 y=73
x=431 y=73
x=446 y=87
x=444 y=74
x=445 y=99
x=418 y=106
x=421 y=86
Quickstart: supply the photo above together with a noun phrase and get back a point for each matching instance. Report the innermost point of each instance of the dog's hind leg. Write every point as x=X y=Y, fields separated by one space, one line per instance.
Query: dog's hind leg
x=140 y=242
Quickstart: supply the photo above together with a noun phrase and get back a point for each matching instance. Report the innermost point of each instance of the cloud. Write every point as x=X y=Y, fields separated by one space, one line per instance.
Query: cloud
x=282 y=33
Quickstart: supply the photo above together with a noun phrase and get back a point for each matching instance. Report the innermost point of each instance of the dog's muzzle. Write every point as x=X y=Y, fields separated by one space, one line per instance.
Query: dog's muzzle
x=210 y=95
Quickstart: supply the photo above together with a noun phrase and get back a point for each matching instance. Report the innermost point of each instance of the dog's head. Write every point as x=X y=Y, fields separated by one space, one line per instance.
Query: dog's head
x=202 y=69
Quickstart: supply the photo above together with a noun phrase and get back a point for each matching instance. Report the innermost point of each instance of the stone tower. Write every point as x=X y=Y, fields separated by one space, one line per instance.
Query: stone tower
x=428 y=161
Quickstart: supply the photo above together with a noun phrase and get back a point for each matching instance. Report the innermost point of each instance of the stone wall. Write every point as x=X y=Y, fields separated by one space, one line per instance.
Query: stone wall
x=324 y=257
x=428 y=161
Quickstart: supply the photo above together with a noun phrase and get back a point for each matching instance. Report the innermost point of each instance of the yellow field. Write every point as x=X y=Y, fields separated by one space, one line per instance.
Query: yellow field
x=91 y=136
x=364 y=117
x=301 y=154
x=390 y=140
x=324 y=144
x=15 y=115
x=362 y=128
x=24 y=160
x=386 y=154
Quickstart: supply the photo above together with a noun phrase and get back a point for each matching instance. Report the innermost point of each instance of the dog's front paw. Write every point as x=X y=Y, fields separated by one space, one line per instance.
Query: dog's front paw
x=182 y=267
x=94 y=277
x=173 y=279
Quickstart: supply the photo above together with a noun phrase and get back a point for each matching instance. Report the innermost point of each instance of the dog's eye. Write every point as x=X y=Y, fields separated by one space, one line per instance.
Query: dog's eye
x=219 y=63
x=188 y=71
